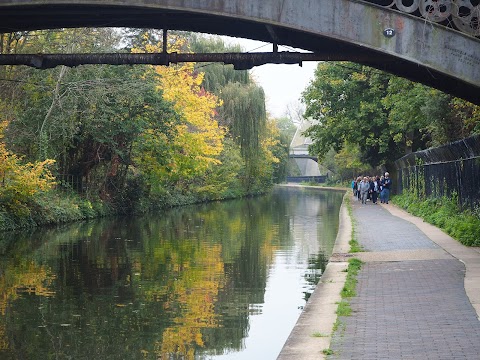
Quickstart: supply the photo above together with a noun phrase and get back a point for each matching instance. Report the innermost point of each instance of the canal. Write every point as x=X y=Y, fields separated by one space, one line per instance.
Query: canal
x=224 y=280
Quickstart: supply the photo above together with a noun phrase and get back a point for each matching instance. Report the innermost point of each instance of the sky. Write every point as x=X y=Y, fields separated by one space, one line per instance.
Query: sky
x=282 y=83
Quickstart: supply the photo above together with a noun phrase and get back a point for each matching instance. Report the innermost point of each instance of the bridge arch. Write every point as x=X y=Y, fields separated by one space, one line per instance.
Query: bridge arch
x=364 y=32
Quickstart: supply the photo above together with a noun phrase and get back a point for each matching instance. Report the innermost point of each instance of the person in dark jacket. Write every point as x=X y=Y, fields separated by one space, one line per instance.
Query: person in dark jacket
x=374 y=189
x=387 y=185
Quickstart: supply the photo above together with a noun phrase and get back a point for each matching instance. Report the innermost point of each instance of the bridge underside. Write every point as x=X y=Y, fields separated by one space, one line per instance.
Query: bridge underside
x=426 y=53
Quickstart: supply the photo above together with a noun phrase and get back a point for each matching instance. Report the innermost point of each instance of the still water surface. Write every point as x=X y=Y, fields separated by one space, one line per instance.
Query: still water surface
x=224 y=280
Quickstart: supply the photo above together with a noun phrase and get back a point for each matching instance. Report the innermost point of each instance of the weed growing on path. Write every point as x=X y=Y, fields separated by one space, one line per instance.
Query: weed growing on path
x=319 y=334
x=354 y=245
x=348 y=290
x=327 y=352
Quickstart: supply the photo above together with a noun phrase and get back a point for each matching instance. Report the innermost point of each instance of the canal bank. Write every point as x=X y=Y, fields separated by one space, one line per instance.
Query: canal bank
x=319 y=314
x=418 y=294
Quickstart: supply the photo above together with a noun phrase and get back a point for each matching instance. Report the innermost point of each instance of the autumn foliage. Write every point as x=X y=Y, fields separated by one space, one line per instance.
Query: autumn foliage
x=134 y=137
x=20 y=182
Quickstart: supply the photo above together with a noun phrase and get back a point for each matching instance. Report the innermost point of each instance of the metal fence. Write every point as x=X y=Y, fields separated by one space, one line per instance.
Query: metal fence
x=69 y=182
x=449 y=170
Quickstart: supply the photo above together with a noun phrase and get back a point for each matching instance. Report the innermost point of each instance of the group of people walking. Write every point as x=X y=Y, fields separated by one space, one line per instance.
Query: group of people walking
x=371 y=188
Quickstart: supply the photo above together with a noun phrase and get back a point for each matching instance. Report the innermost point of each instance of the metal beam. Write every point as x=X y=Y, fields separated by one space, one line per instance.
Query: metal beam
x=240 y=61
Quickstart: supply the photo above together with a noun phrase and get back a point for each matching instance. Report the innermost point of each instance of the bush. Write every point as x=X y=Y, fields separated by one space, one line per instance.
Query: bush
x=52 y=207
x=443 y=213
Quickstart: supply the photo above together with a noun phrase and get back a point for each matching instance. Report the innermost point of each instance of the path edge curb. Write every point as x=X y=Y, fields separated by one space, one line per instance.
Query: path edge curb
x=319 y=314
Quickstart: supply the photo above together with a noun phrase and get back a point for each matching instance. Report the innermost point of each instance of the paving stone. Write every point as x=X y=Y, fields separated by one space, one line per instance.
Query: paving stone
x=409 y=309
x=378 y=230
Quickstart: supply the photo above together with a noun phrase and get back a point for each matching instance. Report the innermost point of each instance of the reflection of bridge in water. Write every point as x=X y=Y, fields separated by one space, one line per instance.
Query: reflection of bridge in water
x=307 y=164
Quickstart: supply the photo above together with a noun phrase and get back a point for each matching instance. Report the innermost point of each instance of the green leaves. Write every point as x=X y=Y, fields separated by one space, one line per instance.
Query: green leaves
x=345 y=100
x=384 y=115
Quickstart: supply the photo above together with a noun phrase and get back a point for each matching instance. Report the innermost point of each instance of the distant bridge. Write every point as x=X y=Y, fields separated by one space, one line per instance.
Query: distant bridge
x=303 y=156
x=307 y=164
x=380 y=33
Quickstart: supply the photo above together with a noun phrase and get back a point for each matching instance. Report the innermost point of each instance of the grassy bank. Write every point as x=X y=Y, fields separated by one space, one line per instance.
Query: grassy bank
x=57 y=206
x=463 y=226
x=53 y=207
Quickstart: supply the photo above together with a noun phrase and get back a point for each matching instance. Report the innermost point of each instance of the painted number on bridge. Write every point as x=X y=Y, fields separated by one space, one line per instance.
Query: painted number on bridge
x=389 y=32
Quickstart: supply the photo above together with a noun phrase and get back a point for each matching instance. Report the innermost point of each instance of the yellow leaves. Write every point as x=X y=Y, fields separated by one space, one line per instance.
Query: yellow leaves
x=335 y=82
x=356 y=76
x=199 y=138
x=269 y=141
x=196 y=292
x=24 y=276
x=20 y=181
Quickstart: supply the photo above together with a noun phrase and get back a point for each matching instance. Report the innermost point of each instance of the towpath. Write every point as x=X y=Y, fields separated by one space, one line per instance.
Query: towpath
x=418 y=294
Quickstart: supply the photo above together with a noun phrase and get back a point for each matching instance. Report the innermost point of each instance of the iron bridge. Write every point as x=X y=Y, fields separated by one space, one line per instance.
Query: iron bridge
x=435 y=42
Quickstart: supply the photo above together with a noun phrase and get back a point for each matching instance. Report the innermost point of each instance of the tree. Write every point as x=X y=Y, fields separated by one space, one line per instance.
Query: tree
x=415 y=113
x=88 y=118
x=198 y=139
x=216 y=75
x=385 y=116
x=467 y=115
x=285 y=132
x=20 y=182
x=245 y=115
x=345 y=101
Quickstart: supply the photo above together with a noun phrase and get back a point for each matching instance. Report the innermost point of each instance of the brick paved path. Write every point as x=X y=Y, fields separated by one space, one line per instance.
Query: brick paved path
x=378 y=230
x=405 y=309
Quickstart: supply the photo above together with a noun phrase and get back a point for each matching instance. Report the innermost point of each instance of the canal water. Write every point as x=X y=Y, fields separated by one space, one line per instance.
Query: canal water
x=224 y=280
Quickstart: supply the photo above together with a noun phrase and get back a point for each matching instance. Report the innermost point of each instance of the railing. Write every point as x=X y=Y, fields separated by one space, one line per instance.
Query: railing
x=462 y=15
x=300 y=179
x=69 y=182
x=450 y=170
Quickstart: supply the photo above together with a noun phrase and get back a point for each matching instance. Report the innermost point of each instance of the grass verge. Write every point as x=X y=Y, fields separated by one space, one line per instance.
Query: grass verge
x=348 y=291
x=354 y=245
x=463 y=226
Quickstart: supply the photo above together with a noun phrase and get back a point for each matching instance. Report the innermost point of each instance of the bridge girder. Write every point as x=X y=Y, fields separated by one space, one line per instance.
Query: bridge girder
x=419 y=50
x=296 y=156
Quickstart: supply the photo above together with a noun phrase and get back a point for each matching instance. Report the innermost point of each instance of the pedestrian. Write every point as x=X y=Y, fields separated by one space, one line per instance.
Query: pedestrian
x=387 y=185
x=374 y=188
x=359 y=194
x=370 y=182
x=354 y=186
x=382 y=193
x=364 y=189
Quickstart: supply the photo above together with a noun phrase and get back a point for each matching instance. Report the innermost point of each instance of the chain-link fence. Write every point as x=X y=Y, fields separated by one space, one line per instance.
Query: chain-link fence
x=449 y=170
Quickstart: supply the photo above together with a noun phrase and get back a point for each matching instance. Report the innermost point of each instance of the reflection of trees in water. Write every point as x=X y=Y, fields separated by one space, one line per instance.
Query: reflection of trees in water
x=170 y=285
x=316 y=267
x=314 y=218
x=250 y=253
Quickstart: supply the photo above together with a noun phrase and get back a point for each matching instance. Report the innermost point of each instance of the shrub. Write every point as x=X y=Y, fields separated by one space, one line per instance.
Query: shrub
x=444 y=213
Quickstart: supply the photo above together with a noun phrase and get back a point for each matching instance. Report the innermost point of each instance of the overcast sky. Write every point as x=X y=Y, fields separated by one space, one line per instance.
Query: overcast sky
x=283 y=84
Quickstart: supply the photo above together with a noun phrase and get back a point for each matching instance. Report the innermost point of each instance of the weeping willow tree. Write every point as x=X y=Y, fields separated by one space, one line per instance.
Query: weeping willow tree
x=246 y=117
x=243 y=111
x=217 y=75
